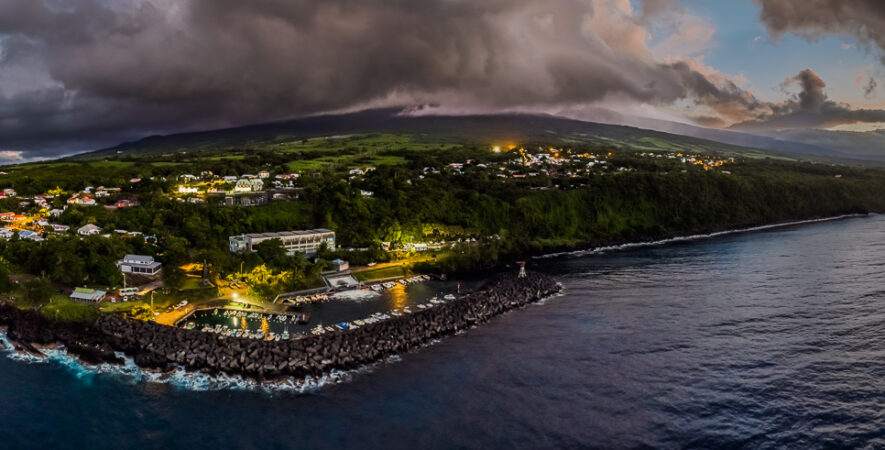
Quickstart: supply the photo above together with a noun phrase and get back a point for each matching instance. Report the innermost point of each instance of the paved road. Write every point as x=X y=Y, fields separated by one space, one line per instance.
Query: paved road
x=170 y=318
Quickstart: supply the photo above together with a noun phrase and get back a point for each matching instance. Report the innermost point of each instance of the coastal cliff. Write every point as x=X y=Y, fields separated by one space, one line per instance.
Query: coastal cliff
x=164 y=348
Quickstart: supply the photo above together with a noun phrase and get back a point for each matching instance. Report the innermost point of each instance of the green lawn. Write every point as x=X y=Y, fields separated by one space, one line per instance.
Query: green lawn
x=61 y=307
x=378 y=274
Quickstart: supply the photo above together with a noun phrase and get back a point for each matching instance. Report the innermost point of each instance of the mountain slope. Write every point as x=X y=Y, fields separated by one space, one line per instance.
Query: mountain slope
x=478 y=130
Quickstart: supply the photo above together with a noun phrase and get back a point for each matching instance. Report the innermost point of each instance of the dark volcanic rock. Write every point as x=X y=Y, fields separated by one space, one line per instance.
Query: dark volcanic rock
x=160 y=347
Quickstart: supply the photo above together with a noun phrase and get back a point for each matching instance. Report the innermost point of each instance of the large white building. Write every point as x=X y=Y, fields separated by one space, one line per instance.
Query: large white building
x=140 y=265
x=300 y=241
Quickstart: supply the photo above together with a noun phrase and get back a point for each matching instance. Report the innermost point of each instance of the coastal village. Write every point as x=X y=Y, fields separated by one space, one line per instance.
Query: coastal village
x=246 y=295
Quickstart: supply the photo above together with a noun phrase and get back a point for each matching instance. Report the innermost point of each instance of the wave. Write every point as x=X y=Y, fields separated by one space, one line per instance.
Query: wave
x=7 y=347
x=197 y=381
x=692 y=237
x=560 y=293
x=180 y=378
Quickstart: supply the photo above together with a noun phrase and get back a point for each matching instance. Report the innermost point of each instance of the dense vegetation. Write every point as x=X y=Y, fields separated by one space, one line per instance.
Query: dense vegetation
x=509 y=218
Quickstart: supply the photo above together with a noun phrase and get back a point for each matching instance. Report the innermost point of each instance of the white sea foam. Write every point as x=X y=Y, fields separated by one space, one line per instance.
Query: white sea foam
x=692 y=237
x=559 y=293
x=11 y=353
x=181 y=378
x=196 y=381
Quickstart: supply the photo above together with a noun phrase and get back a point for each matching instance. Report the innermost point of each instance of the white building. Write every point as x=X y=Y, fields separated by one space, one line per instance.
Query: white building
x=88 y=230
x=301 y=241
x=249 y=185
x=139 y=265
x=30 y=235
x=243 y=185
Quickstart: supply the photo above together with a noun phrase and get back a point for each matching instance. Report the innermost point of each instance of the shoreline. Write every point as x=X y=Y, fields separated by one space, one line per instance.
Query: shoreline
x=114 y=344
x=161 y=349
x=592 y=249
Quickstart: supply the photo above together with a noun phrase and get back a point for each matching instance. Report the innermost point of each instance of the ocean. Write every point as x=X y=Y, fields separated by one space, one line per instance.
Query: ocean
x=768 y=339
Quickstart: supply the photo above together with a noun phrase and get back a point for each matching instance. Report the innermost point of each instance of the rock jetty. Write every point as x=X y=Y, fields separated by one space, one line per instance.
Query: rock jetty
x=165 y=348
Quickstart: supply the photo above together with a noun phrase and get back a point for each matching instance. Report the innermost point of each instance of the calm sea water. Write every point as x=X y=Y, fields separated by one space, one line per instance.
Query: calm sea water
x=764 y=340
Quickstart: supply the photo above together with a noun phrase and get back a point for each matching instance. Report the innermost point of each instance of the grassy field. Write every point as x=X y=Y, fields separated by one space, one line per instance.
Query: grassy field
x=61 y=307
x=384 y=272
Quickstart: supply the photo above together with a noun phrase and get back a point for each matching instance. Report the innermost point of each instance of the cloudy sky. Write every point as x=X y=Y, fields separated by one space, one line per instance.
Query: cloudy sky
x=77 y=75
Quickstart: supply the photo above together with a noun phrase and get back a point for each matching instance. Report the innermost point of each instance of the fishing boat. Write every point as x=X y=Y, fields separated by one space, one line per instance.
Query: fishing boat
x=285 y=335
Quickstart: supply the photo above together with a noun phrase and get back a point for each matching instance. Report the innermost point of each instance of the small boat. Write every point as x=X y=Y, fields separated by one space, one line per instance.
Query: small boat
x=190 y=325
x=285 y=335
x=330 y=329
x=449 y=297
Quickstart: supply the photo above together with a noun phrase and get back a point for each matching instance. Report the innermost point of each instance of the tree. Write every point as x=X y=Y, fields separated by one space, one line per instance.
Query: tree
x=38 y=291
x=5 y=282
x=273 y=252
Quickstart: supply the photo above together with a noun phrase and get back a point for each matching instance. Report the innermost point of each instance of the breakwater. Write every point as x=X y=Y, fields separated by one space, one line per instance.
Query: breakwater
x=164 y=348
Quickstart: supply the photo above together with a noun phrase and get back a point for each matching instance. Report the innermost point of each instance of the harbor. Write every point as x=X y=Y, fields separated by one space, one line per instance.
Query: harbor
x=330 y=312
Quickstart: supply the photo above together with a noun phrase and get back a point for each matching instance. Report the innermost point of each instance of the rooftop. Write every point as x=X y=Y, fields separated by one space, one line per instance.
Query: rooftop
x=139 y=259
x=280 y=234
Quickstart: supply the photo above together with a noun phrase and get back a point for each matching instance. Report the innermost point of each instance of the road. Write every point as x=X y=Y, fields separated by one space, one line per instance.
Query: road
x=171 y=317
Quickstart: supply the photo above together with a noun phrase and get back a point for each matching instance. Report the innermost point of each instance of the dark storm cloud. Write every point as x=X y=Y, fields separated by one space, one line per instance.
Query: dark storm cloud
x=870 y=88
x=76 y=74
x=104 y=70
x=811 y=19
x=809 y=108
